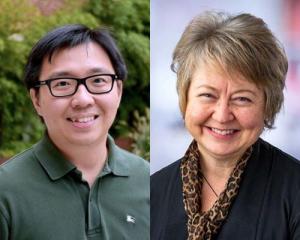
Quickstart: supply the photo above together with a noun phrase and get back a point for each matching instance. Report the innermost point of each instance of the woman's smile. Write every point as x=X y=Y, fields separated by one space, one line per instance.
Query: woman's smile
x=222 y=133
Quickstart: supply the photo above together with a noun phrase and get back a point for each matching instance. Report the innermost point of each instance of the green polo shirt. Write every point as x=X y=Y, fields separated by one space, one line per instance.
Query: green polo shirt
x=43 y=197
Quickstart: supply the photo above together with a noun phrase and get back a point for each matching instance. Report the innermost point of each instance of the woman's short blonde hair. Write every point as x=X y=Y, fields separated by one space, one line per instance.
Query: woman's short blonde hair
x=240 y=44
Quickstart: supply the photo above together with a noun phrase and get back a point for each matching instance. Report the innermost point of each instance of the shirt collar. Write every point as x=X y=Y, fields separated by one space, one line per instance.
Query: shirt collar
x=52 y=159
x=117 y=161
x=57 y=166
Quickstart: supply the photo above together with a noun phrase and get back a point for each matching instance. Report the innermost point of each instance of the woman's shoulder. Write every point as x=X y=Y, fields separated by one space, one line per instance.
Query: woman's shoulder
x=167 y=181
x=165 y=196
x=277 y=155
x=278 y=163
x=169 y=172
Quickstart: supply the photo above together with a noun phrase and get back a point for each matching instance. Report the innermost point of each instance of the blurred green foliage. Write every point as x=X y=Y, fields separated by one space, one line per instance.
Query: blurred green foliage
x=22 y=26
x=141 y=134
x=129 y=21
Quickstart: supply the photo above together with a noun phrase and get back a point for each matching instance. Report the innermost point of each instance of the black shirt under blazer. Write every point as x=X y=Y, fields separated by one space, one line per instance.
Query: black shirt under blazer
x=267 y=206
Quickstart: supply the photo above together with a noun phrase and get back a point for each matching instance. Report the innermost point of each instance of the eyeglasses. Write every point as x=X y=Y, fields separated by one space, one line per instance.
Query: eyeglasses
x=64 y=86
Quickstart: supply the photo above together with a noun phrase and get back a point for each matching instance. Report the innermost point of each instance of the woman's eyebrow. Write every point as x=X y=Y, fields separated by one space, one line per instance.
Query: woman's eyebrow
x=206 y=86
x=245 y=90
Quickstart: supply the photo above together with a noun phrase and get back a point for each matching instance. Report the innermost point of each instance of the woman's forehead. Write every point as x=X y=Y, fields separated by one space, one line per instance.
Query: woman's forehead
x=216 y=76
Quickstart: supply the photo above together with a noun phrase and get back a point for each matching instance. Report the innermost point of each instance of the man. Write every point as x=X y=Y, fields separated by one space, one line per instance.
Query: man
x=75 y=183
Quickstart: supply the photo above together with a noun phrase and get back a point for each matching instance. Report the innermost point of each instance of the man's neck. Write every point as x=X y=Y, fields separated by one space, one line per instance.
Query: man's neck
x=89 y=159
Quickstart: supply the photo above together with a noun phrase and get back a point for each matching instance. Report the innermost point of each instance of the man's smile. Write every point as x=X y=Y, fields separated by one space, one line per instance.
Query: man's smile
x=83 y=119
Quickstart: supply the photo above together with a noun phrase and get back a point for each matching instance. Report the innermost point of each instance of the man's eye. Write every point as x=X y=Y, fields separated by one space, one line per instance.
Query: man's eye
x=99 y=80
x=61 y=83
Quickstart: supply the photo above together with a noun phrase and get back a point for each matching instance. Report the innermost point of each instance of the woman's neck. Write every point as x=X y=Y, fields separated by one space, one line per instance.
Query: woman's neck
x=218 y=166
x=216 y=173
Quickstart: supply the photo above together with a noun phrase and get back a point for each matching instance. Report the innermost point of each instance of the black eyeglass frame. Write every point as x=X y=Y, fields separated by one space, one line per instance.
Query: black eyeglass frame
x=47 y=82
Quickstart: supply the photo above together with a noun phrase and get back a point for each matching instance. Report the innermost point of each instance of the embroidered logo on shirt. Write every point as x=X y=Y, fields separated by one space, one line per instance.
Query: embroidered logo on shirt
x=130 y=219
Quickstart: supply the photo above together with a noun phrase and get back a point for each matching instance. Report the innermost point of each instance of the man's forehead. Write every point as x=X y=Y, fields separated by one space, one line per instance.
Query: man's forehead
x=66 y=48
x=77 y=61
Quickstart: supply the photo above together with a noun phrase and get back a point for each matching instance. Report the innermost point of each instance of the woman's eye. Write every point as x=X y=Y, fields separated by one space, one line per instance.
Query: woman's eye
x=243 y=99
x=206 y=95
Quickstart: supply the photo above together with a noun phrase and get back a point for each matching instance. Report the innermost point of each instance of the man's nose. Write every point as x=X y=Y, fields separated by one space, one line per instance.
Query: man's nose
x=222 y=112
x=82 y=98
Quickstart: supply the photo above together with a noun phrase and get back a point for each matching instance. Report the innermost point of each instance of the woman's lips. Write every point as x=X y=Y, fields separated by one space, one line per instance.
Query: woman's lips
x=222 y=133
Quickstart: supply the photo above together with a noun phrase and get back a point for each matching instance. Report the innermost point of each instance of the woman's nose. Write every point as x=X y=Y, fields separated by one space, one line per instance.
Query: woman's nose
x=222 y=112
x=82 y=98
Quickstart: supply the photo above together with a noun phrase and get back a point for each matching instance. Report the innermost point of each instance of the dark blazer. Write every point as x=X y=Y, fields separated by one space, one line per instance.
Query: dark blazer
x=267 y=206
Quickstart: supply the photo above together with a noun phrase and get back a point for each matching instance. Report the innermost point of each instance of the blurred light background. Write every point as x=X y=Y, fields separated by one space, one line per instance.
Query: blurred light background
x=169 y=139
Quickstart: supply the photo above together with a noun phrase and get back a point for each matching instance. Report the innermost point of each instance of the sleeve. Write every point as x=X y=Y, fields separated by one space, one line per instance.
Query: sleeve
x=4 y=229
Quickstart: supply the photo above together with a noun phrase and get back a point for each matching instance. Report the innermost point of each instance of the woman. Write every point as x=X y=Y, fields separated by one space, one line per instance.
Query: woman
x=230 y=184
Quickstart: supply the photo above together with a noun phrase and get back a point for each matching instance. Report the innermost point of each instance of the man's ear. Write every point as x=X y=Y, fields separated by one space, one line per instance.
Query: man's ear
x=120 y=88
x=34 y=95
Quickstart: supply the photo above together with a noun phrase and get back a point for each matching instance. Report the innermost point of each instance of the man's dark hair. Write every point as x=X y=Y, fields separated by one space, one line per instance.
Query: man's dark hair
x=69 y=36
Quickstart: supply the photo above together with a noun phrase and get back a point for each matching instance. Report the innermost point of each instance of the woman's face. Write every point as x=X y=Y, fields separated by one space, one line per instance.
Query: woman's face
x=225 y=115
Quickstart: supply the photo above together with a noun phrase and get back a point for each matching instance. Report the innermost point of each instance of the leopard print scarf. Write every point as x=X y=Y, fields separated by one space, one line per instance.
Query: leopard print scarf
x=205 y=225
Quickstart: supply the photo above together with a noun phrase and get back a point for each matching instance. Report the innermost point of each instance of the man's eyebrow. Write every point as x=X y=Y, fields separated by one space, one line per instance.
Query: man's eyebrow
x=98 y=70
x=91 y=71
x=59 y=74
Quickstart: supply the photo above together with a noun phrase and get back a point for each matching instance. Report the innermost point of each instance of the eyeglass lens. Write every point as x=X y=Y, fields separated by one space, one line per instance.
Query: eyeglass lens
x=94 y=84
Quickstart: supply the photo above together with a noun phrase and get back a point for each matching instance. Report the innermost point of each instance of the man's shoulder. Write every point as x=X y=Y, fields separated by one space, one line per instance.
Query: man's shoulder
x=133 y=161
x=17 y=162
x=20 y=167
x=131 y=171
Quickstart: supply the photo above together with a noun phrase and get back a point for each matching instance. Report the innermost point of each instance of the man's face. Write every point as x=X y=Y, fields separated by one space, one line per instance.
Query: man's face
x=84 y=118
